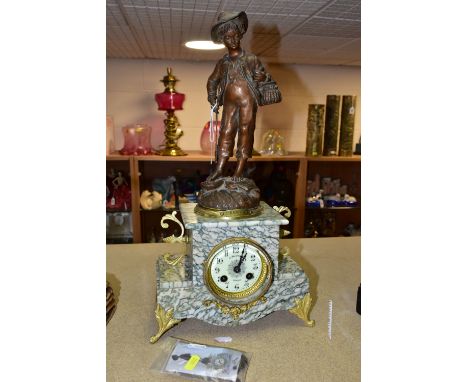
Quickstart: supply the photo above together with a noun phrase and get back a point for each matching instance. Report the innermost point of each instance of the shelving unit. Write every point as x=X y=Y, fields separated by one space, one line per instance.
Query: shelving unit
x=281 y=179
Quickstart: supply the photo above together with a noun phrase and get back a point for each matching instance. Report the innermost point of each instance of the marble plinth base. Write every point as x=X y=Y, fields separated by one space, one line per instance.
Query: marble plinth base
x=175 y=289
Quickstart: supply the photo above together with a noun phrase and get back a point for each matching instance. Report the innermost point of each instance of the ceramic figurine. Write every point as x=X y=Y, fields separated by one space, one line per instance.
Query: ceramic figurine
x=119 y=180
x=119 y=196
x=165 y=187
x=150 y=200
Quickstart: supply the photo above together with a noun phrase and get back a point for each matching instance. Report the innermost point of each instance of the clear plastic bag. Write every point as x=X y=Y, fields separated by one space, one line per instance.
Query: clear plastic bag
x=201 y=362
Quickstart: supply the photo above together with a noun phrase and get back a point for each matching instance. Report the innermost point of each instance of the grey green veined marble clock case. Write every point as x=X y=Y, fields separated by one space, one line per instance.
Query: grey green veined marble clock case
x=182 y=287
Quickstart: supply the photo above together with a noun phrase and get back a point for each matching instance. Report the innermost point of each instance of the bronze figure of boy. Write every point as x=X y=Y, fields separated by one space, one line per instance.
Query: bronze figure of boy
x=234 y=85
x=240 y=84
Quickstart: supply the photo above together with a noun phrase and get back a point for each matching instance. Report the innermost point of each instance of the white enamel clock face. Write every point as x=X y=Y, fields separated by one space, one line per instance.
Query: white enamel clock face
x=238 y=270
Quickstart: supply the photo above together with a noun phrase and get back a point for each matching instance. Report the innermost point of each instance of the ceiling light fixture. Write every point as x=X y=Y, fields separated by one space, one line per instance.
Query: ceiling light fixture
x=203 y=45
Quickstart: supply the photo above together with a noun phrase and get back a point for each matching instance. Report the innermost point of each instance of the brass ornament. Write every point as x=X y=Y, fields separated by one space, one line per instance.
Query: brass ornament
x=239 y=213
x=281 y=209
x=173 y=259
x=284 y=252
x=173 y=239
x=236 y=310
x=176 y=270
x=165 y=322
x=302 y=309
x=286 y=214
x=284 y=233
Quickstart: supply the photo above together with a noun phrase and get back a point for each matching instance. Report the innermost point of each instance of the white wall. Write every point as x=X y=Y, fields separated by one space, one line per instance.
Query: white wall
x=131 y=85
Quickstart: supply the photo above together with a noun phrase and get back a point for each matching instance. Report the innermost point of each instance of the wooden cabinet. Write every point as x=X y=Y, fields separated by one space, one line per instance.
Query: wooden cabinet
x=281 y=179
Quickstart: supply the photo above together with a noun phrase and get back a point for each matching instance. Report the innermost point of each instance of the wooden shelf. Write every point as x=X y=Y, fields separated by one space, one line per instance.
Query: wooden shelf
x=198 y=156
x=116 y=156
x=354 y=158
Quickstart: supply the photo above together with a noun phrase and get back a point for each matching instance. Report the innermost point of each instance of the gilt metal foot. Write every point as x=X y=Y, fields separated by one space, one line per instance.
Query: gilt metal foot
x=302 y=309
x=165 y=322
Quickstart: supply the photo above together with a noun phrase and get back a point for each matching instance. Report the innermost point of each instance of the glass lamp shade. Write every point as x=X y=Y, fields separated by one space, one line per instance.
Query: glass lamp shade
x=170 y=101
x=137 y=140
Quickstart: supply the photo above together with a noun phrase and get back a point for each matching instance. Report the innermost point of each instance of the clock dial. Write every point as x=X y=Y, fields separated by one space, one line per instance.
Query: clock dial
x=238 y=269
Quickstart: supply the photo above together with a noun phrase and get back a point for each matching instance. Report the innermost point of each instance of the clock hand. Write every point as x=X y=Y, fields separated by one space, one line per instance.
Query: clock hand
x=242 y=258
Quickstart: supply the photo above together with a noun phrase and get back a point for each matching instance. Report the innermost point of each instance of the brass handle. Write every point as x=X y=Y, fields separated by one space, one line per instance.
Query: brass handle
x=282 y=209
x=286 y=212
x=173 y=239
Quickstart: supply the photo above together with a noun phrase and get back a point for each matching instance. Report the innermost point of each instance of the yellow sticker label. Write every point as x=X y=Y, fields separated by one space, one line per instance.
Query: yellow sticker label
x=192 y=362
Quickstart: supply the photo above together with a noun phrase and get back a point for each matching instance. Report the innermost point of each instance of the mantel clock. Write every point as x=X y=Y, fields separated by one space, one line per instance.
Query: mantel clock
x=233 y=272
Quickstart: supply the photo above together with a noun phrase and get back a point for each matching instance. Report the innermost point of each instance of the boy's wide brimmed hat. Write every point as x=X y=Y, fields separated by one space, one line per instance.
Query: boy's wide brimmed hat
x=238 y=18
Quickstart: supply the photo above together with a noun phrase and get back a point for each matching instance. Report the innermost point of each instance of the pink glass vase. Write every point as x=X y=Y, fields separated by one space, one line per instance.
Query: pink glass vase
x=205 y=143
x=137 y=140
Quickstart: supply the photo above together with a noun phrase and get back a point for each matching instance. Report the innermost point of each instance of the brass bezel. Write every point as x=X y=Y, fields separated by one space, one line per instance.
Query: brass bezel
x=252 y=293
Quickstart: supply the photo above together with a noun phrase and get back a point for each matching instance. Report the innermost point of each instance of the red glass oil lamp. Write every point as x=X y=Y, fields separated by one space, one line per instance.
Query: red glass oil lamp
x=169 y=101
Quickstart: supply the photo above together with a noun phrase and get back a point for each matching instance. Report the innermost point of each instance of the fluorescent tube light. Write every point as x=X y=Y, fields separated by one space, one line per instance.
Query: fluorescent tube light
x=203 y=45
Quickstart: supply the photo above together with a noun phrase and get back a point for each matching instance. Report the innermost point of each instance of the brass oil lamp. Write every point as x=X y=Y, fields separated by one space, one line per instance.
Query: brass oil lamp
x=169 y=101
